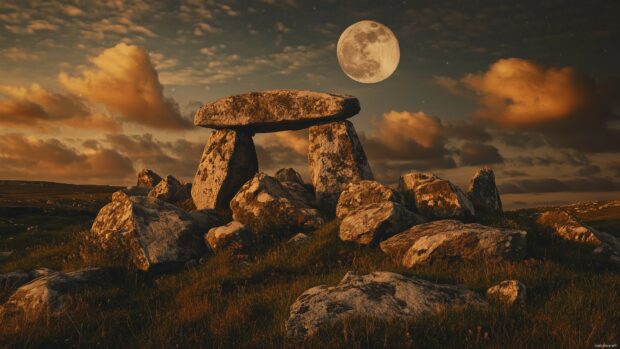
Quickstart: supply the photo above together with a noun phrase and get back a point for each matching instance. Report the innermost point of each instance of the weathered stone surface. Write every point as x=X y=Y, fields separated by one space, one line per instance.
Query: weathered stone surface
x=232 y=235
x=509 y=291
x=170 y=190
x=148 y=178
x=336 y=158
x=358 y=194
x=137 y=191
x=206 y=219
x=14 y=279
x=289 y=175
x=298 y=238
x=47 y=294
x=275 y=110
x=483 y=192
x=435 y=198
x=149 y=231
x=372 y=223
x=452 y=240
x=566 y=226
x=381 y=295
x=228 y=161
x=265 y=205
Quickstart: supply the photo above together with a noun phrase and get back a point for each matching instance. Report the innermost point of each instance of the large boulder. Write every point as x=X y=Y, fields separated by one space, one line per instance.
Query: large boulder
x=375 y=222
x=336 y=158
x=170 y=190
x=483 y=192
x=452 y=240
x=233 y=235
x=358 y=194
x=381 y=295
x=147 y=178
x=275 y=110
x=288 y=175
x=435 y=198
x=47 y=295
x=149 y=232
x=510 y=292
x=228 y=161
x=266 y=205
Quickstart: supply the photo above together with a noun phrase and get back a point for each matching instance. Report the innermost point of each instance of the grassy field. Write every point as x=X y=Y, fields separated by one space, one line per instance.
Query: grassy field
x=243 y=300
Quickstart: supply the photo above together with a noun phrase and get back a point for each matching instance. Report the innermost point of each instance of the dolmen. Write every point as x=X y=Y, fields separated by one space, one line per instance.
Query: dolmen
x=229 y=160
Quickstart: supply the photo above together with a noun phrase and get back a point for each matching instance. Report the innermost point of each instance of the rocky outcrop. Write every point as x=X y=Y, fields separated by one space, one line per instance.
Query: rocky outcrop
x=147 y=178
x=233 y=235
x=483 y=192
x=435 y=198
x=358 y=194
x=381 y=295
x=288 y=175
x=275 y=110
x=170 y=190
x=150 y=232
x=509 y=292
x=373 y=223
x=266 y=205
x=452 y=240
x=336 y=158
x=47 y=295
x=228 y=161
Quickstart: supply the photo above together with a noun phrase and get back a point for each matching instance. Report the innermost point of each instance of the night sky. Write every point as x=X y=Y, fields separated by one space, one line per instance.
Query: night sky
x=92 y=93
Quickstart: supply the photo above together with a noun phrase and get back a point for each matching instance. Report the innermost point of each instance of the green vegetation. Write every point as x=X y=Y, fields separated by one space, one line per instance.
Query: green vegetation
x=243 y=300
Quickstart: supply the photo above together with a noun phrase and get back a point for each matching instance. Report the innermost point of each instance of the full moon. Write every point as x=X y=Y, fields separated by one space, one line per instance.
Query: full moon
x=368 y=52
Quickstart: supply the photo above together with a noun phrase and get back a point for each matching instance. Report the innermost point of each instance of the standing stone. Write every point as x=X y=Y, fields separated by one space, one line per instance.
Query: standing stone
x=147 y=178
x=336 y=158
x=483 y=192
x=228 y=161
x=169 y=190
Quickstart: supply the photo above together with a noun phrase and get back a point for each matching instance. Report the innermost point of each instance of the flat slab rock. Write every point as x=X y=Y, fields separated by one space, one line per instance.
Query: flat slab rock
x=452 y=240
x=382 y=295
x=275 y=110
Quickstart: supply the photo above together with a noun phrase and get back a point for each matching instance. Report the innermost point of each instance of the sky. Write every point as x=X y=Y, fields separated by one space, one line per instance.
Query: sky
x=94 y=91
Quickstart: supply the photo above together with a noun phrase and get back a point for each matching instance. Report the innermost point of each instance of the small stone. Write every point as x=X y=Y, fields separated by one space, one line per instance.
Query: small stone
x=358 y=194
x=147 y=178
x=509 y=291
x=232 y=235
x=298 y=238
x=170 y=190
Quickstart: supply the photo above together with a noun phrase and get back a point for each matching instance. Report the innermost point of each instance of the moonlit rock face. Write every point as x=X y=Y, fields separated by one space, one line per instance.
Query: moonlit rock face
x=368 y=52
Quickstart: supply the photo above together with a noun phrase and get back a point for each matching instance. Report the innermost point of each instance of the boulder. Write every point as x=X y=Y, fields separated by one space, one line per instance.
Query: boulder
x=275 y=110
x=508 y=291
x=298 y=238
x=232 y=235
x=373 y=223
x=452 y=240
x=170 y=190
x=483 y=192
x=228 y=161
x=266 y=205
x=380 y=295
x=289 y=175
x=435 y=198
x=47 y=295
x=17 y=278
x=148 y=178
x=150 y=232
x=137 y=191
x=358 y=194
x=336 y=158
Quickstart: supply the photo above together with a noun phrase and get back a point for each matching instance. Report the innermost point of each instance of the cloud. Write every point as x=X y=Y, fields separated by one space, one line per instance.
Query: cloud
x=452 y=85
x=552 y=185
x=123 y=79
x=589 y=170
x=72 y=11
x=283 y=149
x=18 y=54
x=475 y=154
x=615 y=167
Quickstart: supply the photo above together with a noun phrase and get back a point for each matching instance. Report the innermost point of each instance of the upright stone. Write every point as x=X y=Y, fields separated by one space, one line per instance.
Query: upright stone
x=148 y=178
x=483 y=192
x=336 y=158
x=228 y=161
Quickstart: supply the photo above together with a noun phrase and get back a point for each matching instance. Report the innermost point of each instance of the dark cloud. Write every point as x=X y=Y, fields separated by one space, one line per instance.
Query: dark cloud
x=552 y=185
x=615 y=167
x=514 y=173
x=474 y=154
x=467 y=130
x=589 y=170
x=520 y=139
x=560 y=158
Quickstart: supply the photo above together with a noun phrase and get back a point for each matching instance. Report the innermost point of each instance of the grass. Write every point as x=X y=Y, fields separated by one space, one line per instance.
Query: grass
x=243 y=301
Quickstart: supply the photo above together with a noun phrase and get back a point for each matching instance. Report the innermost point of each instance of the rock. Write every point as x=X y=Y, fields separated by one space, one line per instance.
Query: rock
x=47 y=295
x=298 y=238
x=452 y=240
x=358 y=194
x=228 y=161
x=289 y=175
x=206 y=219
x=483 y=192
x=435 y=198
x=137 y=191
x=299 y=191
x=336 y=158
x=266 y=205
x=170 y=190
x=509 y=291
x=232 y=235
x=151 y=232
x=275 y=110
x=14 y=279
x=381 y=295
x=373 y=223
x=148 y=178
